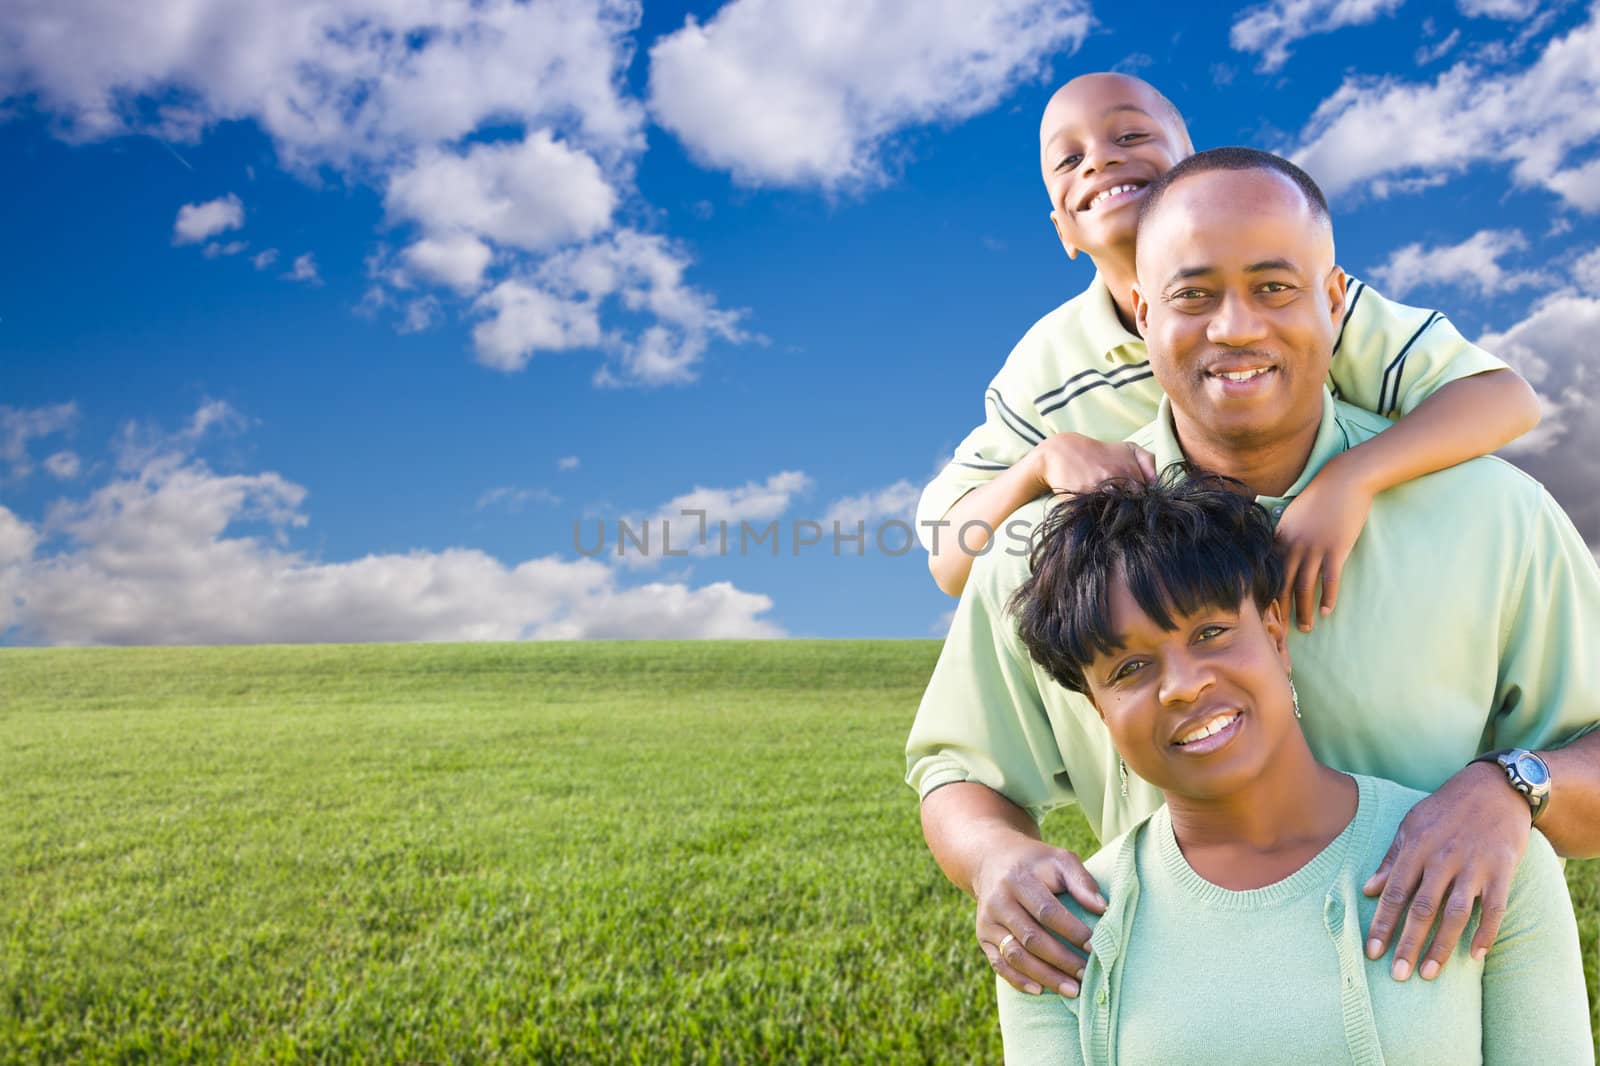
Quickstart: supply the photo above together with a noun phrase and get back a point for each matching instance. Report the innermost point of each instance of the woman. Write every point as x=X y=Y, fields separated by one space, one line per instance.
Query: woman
x=1234 y=931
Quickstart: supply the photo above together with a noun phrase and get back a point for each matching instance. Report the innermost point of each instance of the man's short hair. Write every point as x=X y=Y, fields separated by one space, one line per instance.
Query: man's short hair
x=1182 y=545
x=1234 y=158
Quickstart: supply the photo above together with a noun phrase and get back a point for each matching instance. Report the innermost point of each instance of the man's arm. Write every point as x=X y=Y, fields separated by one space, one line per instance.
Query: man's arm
x=1571 y=822
x=990 y=848
x=1462 y=420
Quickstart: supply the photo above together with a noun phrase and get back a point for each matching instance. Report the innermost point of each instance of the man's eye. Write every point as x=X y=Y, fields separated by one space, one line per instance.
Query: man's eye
x=1275 y=286
x=1189 y=294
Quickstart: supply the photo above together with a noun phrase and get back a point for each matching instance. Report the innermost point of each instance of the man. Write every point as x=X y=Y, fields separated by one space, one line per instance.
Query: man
x=1473 y=610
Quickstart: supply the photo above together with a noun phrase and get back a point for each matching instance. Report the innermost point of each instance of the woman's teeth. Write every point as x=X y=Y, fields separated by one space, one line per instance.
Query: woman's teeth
x=1216 y=725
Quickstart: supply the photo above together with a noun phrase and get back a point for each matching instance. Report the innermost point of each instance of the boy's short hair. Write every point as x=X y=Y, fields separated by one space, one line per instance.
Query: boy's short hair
x=1182 y=544
x=1234 y=158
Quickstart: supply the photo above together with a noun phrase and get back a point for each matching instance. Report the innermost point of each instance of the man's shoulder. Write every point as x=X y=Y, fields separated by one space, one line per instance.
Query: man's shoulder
x=1485 y=472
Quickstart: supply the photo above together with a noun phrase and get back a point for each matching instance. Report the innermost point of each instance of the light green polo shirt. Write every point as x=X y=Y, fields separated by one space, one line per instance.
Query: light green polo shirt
x=1468 y=621
x=1079 y=370
x=1186 y=973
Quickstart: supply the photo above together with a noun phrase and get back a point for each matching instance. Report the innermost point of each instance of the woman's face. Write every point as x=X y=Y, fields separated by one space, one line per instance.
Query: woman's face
x=1198 y=710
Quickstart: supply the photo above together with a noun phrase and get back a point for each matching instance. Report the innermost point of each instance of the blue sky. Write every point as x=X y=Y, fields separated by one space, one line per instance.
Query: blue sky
x=328 y=322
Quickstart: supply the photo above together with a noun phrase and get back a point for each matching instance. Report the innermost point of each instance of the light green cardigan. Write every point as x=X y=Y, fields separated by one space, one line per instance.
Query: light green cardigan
x=1183 y=972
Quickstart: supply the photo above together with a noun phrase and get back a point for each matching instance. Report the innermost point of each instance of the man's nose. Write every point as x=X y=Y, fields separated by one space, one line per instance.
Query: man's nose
x=1236 y=322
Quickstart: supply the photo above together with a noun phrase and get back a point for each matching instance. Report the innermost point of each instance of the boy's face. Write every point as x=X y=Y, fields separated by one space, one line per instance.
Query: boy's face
x=1103 y=139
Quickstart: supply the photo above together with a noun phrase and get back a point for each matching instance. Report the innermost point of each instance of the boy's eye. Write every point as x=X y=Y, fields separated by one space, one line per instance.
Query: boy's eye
x=1068 y=162
x=1129 y=138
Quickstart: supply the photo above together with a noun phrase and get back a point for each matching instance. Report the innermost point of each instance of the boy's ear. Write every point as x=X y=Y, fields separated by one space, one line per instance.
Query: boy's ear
x=1072 y=249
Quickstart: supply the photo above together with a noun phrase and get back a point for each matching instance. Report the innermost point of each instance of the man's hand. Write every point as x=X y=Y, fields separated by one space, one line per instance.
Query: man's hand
x=1017 y=908
x=1460 y=845
x=1071 y=462
x=1317 y=531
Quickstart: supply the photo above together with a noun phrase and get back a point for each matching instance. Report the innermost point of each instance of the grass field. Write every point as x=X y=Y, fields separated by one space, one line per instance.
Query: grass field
x=645 y=852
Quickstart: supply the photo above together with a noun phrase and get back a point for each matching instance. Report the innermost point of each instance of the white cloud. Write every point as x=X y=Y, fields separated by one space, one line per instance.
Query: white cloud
x=19 y=425
x=304 y=268
x=1429 y=52
x=558 y=307
x=1499 y=9
x=534 y=194
x=808 y=92
x=1586 y=272
x=1542 y=120
x=174 y=552
x=515 y=499
x=411 y=97
x=1271 y=28
x=357 y=83
x=137 y=444
x=196 y=222
x=458 y=260
x=690 y=521
x=1473 y=264
x=525 y=320
x=896 y=501
x=64 y=465
x=1553 y=347
x=567 y=462
x=215 y=248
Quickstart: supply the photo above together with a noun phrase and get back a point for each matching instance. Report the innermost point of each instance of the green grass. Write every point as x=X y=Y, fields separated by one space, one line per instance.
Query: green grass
x=653 y=852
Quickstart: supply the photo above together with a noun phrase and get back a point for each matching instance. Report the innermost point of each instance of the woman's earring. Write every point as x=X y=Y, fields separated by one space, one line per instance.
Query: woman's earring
x=1294 y=695
x=1122 y=772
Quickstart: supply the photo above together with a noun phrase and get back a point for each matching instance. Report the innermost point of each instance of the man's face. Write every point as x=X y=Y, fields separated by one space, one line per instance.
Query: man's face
x=1239 y=301
x=1103 y=138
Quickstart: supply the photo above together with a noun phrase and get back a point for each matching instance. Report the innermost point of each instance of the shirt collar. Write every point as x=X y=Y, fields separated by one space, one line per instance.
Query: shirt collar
x=1101 y=326
x=1329 y=443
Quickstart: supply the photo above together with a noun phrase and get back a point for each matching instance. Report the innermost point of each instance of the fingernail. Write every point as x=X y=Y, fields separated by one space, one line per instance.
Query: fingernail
x=1402 y=969
x=1326 y=611
x=1429 y=971
x=1032 y=989
x=1480 y=953
x=1098 y=898
x=1374 y=948
x=1305 y=627
x=1069 y=989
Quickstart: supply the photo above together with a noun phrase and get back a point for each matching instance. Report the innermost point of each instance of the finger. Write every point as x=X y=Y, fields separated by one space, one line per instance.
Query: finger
x=1331 y=570
x=1291 y=570
x=1399 y=884
x=998 y=964
x=1051 y=914
x=1035 y=951
x=1079 y=883
x=1305 y=591
x=1146 y=461
x=1452 y=923
x=1420 y=916
x=1491 y=910
x=1016 y=951
x=1380 y=876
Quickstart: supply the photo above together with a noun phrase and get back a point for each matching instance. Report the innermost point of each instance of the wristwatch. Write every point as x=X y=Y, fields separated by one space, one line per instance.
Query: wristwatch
x=1527 y=773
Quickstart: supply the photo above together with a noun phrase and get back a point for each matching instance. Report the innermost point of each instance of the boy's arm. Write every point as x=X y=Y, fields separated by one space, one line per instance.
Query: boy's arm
x=1064 y=462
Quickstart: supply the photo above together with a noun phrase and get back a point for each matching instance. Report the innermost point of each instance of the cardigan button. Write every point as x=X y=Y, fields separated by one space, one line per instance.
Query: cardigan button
x=1100 y=997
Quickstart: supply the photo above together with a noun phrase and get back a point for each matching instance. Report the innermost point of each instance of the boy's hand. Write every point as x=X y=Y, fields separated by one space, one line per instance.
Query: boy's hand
x=1317 y=531
x=1073 y=463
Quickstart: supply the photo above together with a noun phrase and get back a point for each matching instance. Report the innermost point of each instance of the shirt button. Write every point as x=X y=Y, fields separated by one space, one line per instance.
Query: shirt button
x=1277 y=512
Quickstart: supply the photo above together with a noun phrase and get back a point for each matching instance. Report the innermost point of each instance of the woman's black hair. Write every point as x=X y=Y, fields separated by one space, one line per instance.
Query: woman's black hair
x=1183 y=544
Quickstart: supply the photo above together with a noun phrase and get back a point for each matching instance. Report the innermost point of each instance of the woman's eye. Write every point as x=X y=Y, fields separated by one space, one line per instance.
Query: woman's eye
x=1127 y=670
x=1208 y=632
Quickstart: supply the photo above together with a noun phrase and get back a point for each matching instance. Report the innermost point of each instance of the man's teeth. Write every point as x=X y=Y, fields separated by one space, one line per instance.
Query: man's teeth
x=1242 y=375
x=1110 y=192
x=1216 y=725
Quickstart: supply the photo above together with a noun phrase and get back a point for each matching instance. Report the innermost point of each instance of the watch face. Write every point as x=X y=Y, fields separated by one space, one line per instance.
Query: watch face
x=1532 y=771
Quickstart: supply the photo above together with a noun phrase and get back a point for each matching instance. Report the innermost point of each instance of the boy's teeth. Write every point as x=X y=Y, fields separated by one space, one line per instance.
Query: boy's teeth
x=1110 y=192
x=1216 y=725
